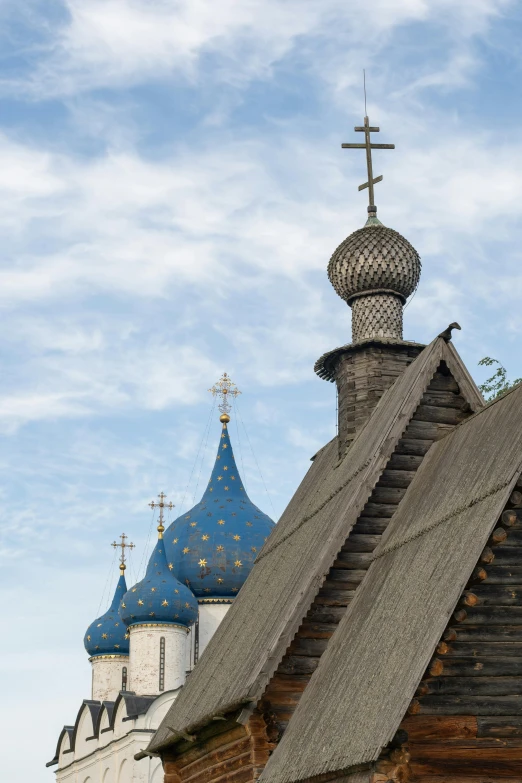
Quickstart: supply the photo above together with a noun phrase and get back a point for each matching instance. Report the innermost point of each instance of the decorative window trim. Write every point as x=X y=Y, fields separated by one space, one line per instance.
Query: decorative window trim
x=124 y=678
x=162 y=664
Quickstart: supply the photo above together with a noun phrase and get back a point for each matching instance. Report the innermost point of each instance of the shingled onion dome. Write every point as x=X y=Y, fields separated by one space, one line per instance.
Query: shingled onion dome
x=107 y=635
x=374 y=270
x=213 y=546
x=159 y=597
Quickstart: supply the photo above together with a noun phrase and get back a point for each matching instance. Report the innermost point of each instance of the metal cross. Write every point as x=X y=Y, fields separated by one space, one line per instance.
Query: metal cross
x=123 y=546
x=161 y=505
x=368 y=146
x=225 y=389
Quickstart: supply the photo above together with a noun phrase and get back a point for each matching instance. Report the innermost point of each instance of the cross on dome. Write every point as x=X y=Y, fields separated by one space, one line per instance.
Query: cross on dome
x=368 y=146
x=123 y=546
x=224 y=389
x=161 y=505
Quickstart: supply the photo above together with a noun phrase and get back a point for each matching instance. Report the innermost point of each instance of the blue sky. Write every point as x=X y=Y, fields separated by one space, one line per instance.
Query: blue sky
x=171 y=188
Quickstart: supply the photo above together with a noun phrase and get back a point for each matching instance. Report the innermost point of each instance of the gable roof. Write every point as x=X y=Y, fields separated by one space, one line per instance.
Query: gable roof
x=254 y=635
x=380 y=650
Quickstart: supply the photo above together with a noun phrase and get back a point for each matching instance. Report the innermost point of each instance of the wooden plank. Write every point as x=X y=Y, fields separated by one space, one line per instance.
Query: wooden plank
x=507 y=555
x=379 y=509
x=502 y=726
x=493 y=615
x=387 y=495
x=470 y=633
x=433 y=413
x=413 y=447
x=470 y=705
x=440 y=727
x=355 y=560
x=481 y=667
x=472 y=686
x=330 y=596
x=360 y=543
x=407 y=462
x=488 y=594
x=371 y=525
x=504 y=574
x=481 y=649
x=297 y=664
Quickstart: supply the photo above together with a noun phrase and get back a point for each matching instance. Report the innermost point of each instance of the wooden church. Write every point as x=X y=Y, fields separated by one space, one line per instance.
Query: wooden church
x=378 y=638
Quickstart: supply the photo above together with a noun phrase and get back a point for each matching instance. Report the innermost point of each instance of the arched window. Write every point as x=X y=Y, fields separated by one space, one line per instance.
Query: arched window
x=162 y=664
x=124 y=678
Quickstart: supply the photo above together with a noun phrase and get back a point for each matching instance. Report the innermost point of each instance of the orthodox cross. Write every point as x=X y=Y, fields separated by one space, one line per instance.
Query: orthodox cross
x=161 y=505
x=123 y=546
x=368 y=146
x=224 y=389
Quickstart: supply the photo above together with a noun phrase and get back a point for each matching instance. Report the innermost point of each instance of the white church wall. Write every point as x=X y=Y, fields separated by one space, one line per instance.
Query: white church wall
x=145 y=650
x=82 y=744
x=107 y=676
x=210 y=616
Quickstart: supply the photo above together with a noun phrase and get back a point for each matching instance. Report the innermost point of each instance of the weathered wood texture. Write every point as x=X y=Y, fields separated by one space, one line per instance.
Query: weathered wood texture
x=465 y=723
x=302 y=657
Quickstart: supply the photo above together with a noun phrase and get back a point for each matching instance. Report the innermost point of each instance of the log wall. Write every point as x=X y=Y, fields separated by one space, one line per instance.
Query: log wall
x=465 y=722
x=441 y=408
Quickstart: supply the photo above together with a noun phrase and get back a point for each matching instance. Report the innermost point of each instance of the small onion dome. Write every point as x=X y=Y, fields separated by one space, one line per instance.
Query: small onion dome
x=108 y=635
x=159 y=597
x=213 y=546
x=374 y=259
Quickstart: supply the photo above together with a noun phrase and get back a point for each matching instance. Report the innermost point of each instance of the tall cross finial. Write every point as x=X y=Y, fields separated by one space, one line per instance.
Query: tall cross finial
x=123 y=546
x=161 y=505
x=224 y=389
x=368 y=146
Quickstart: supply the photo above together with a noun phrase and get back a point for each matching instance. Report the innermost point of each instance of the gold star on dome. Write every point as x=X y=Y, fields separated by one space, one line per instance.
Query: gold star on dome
x=236 y=537
x=233 y=478
x=218 y=457
x=117 y=646
x=164 y=602
x=193 y=524
x=104 y=635
x=171 y=566
x=210 y=489
x=188 y=516
x=225 y=467
x=220 y=580
x=220 y=548
x=176 y=616
x=176 y=590
x=235 y=589
x=140 y=602
x=253 y=548
x=88 y=638
x=221 y=521
x=175 y=541
x=249 y=524
x=238 y=563
x=134 y=589
x=202 y=562
x=152 y=614
x=116 y=624
x=153 y=589
x=187 y=605
x=207 y=590
x=226 y=489
x=123 y=606
x=205 y=537
x=186 y=550
x=220 y=478
x=224 y=445
x=99 y=625
x=97 y=647
x=126 y=635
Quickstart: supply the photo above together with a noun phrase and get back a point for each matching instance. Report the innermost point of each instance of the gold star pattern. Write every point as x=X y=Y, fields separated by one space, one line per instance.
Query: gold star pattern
x=164 y=602
x=104 y=635
x=225 y=467
x=187 y=605
x=153 y=589
x=233 y=478
x=127 y=635
x=117 y=646
x=210 y=489
x=253 y=548
x=207 y=590
x=175 y=541
x=123 y=606
x=237 y=538
x=221 y=521
x=188 y=516
x=223 y=435
x=99 y=625
x=152 y=614
x=238 y=563
x=176 y=591
x=224 y=445
x=186 y=550
x=235 y=589
x=249 y=524
x=202 y=562
x=193 y=524
x=205 y=537
x=171 y=566
x=220 y=478
x=134 y=589
x=226 y=489
x=88 y=638
x=221 y=548
x=140 y=602
x=220 y=580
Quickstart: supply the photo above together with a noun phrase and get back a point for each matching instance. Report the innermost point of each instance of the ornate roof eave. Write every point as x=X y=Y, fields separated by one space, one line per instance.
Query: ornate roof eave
x=325 y=365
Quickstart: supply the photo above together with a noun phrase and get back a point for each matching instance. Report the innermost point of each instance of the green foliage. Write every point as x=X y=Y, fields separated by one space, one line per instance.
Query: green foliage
x=498 y=384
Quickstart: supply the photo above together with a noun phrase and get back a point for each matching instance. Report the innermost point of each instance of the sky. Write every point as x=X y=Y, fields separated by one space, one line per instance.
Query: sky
x=172 y=185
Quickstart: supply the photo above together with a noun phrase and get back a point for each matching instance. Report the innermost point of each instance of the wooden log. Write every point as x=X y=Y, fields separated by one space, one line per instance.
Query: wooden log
x=282 y=683
x=469 y=705
x=426 y=727
x=326 y=614
x=436 y=667
x=480 y=649
x=509 y=518
x=329 y=596
x=443 y=399
x=408 y=462
x=465 y=759
x=355 y=560
x=413 y=447
x=450 y=634
x=465 y=778
x=387 y=495
x=487 y=555
x=443 y=383
x=507 y=574
x=216 y=736
x=507 y=726
x=497 y=595
x=498 y=536
x=360 y=543
x=372 y=509
x=515 y=499
x=371 y=526
x=473 y=686
x=426 y=430
x=433 y=413
x=346 y=576
x=219 y=761
x=317 y=630
x=514 y=538
x=479 y=574
x=510 y=666
x=302 y=645
x=296 y=664
x=492 y=615
x=468 y=598
x=460 y=615
x=396 y=478
x=476 y=633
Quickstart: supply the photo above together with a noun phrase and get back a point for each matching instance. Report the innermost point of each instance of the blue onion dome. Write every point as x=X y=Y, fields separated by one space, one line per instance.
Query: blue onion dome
x=108 y=635
x=159 y=597
x=213 y=546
